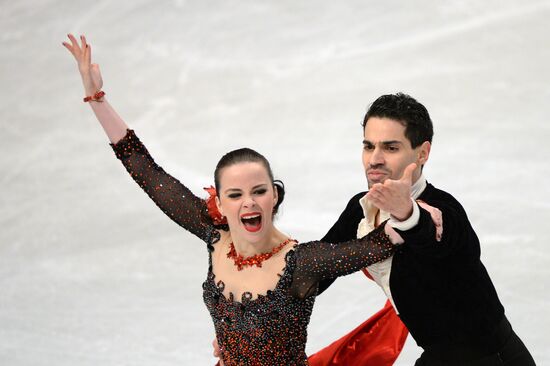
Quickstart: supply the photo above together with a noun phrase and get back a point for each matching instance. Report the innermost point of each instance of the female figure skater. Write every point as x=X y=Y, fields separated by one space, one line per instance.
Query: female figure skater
x=261 y=284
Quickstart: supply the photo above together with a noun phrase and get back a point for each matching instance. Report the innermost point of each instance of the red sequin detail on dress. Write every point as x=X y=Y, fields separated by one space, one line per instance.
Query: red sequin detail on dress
x=254 y=260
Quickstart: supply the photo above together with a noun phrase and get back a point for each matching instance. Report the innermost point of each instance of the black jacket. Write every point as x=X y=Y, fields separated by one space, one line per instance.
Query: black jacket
x=441 y=289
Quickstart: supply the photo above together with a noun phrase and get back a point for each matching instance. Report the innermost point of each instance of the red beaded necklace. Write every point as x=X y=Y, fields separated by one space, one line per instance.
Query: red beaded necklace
x=256 y=259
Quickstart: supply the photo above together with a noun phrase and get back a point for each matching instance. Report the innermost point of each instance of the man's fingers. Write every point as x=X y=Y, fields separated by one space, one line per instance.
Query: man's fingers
x=373 y=197
x=379 y=194
x=374 y=193
x=407 y=174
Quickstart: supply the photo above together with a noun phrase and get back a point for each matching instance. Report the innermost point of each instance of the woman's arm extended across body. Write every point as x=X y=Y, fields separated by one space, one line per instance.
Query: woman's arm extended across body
x=316 y=260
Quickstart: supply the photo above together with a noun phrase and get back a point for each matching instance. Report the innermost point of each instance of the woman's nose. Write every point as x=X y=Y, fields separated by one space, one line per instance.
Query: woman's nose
x=249 y=202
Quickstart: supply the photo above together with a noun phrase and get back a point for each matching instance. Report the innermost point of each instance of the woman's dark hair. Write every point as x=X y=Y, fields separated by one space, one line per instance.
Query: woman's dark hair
x=246 y=155
x=407 y=111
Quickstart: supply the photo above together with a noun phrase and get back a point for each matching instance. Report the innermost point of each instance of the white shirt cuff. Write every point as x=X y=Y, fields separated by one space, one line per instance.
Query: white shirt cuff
x=409 y=223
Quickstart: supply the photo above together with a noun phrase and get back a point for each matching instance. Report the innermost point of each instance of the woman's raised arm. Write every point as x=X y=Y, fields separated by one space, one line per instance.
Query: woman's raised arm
x=114 y=126
x=171 y=196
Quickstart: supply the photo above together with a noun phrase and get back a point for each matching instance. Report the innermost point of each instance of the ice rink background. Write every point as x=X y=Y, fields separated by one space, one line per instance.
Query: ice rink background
x=92 y=273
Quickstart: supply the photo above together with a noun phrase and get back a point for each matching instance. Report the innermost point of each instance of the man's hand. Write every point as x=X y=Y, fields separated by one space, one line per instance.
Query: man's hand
x=394 y=196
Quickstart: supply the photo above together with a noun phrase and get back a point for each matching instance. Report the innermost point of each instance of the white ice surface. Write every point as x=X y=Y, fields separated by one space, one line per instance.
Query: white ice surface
x=92 y=273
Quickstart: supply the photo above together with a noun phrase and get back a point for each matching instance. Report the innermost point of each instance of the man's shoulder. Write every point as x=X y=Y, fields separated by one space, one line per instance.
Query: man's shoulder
x=433 y=194
x=345 y=228
x=357 y=197
x=353 y=207
x=353 y=203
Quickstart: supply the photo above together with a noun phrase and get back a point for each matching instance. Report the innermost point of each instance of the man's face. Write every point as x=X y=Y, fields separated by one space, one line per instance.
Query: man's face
x=387 y=152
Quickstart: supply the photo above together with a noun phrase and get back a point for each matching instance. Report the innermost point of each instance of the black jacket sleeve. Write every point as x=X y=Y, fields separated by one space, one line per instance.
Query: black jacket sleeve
x=458 y=234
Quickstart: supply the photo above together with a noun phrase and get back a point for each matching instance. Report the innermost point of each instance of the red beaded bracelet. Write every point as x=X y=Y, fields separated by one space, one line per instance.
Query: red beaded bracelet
x=96 y=97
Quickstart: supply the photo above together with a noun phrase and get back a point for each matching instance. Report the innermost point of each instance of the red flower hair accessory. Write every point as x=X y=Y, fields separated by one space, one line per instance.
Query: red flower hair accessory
x=216 y=215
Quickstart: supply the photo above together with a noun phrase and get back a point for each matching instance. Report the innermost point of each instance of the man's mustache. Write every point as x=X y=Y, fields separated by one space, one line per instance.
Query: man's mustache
x=378 y=167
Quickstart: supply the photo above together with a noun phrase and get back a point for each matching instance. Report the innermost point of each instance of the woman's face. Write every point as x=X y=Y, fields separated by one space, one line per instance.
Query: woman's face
x=247 y=198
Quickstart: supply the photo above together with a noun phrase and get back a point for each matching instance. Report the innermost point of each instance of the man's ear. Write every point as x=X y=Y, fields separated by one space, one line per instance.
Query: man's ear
x=424 y=152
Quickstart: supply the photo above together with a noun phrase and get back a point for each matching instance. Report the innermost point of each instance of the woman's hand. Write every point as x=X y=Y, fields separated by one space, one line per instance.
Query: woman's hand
x=394 y=237
x=91 y=76
x=114 y=126
x=217 y=352
x=437 y=218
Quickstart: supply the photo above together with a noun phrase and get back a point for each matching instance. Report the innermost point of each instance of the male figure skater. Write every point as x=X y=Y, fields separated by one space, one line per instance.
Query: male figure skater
x=438 y=285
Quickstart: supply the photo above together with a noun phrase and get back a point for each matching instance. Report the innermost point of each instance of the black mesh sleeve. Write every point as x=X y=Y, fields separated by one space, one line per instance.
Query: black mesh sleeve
x=316 y=261
x=171 y=196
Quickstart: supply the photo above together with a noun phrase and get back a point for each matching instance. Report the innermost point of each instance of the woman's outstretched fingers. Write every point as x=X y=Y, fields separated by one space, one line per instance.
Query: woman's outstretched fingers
x=73 y=47
x=82 y=52
x=68 y=47
x=74 y=43
x=88 y=53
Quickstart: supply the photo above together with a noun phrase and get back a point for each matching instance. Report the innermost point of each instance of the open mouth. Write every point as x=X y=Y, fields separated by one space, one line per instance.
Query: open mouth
x=252 y=222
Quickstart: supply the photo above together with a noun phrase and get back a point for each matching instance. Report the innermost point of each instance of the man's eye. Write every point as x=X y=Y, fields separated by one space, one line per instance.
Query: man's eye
x=368 y=147
x=392 y=148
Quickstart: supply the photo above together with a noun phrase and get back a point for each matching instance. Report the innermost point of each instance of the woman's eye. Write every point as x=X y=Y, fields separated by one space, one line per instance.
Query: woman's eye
x=261 y=191
x=234 y=195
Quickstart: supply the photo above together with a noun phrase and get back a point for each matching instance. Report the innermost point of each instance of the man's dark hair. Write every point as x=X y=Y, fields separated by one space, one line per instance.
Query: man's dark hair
x=407 y=111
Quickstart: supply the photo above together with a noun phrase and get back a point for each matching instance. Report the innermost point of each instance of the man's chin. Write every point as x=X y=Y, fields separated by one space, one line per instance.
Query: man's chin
x=372 y=182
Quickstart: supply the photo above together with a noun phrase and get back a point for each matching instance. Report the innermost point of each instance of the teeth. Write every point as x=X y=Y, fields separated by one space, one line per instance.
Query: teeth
x=250 y=217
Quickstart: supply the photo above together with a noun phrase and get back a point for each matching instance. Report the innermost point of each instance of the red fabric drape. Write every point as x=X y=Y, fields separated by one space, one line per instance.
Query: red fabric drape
x=376 y=342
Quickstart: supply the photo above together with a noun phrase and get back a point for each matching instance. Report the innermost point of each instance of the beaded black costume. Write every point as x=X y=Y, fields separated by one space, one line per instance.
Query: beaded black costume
x=270 y=329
